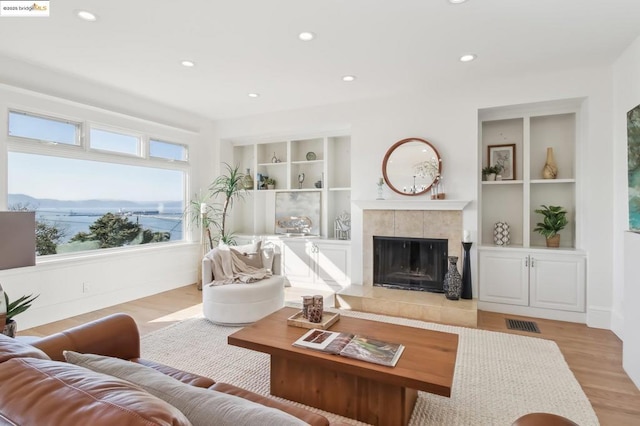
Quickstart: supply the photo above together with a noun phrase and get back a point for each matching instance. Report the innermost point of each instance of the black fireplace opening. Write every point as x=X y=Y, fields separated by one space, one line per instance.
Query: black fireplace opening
x=410 y=263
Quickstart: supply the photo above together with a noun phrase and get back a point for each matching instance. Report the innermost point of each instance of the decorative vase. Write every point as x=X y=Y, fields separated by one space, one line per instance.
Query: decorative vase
x=550 y=170
x=247 y=180
x=501 y=234
x=453 y=280
x=466 y=272
x=553 y=241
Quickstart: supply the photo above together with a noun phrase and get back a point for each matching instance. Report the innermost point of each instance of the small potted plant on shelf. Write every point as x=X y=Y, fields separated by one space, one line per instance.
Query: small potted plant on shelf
x=490 y=172
x=14 y=308
x=271 y=183
x=555 y=220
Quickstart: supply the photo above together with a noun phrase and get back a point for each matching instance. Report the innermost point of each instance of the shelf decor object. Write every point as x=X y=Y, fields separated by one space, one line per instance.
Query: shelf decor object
x=311 y=156
x=466 y=272
x=328 y=319
x=550 y=170
x=501 y=234
x=503 y=157
x=247 y=180
x=380 y=184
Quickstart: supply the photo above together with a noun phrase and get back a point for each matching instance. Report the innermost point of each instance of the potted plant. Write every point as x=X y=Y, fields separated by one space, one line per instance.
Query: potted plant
x=14 y=308
x=555 y=220
x=271 y=183
x=490 y=172
x=210 y=211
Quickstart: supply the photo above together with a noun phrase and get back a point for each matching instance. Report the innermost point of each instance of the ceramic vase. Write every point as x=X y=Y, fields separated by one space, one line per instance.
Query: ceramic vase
x=247 y=180
x=550 y=170
x=501 y=234
x=453 y=280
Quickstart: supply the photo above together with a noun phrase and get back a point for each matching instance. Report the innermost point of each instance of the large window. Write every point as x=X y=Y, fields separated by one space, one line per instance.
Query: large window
x=87 y=200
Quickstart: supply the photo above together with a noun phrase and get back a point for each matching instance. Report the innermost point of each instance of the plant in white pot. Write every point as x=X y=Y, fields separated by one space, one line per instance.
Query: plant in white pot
x=14 y=308
x=555 y=220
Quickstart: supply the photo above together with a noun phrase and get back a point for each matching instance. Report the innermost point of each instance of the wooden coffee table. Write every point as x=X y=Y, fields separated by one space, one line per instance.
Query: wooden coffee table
x=360 y=390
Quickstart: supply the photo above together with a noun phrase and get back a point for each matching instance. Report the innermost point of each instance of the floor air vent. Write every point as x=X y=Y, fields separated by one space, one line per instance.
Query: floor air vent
x=529 y=326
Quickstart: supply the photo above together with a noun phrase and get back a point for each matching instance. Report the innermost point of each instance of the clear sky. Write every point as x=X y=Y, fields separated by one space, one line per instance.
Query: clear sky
x=42 y=176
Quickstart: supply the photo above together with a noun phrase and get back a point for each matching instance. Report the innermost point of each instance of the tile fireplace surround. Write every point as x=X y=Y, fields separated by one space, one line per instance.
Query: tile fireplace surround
x=417 y=219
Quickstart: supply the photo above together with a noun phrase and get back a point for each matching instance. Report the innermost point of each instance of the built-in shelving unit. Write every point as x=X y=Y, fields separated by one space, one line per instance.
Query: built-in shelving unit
x=525 y=277
x=323 y=159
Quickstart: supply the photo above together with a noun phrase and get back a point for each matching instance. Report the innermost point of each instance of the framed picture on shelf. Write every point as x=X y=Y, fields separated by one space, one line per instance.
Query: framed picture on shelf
x=503 y=156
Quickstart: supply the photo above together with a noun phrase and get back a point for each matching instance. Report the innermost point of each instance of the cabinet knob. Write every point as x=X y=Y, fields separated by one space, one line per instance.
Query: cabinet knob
x=533 y=262
x=526 y=261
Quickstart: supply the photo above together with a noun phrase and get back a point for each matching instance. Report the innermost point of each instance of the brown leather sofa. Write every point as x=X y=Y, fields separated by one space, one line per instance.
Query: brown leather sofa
x=38 y=387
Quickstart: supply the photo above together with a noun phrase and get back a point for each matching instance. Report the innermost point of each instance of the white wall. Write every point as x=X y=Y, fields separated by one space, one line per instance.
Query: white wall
x=626 y=281
x=113 y=275
x=447 y=117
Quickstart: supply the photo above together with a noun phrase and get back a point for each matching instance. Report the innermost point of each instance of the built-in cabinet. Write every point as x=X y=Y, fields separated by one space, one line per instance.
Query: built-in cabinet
x=526 y=273
x=321 y=264
x=536 y=279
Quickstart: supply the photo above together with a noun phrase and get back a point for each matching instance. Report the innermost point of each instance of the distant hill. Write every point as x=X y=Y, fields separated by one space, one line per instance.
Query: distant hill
x=48 y=203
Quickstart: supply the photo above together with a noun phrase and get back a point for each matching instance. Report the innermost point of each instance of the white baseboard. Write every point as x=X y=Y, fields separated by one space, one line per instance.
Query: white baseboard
x=528 y=311
x=617 y=324
x=599 y=317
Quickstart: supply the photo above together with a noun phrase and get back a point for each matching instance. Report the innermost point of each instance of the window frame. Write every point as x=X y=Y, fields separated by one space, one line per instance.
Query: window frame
x=83 y=151
x=46 y=116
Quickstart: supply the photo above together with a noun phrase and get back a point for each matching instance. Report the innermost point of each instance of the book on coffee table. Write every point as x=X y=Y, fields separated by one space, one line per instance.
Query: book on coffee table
x=353 y=346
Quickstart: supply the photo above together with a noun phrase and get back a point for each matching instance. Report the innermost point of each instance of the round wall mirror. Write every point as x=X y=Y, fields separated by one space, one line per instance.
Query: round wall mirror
x=411 y=166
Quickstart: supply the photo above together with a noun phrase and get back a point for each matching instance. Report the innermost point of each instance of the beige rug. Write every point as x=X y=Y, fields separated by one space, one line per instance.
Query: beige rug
x=498 y=376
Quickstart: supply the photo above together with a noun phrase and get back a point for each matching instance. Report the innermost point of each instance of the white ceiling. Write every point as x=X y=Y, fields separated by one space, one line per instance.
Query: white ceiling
x=243 y=46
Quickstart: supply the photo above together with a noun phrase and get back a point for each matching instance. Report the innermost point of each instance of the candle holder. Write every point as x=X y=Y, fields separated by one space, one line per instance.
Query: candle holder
x=466 y=273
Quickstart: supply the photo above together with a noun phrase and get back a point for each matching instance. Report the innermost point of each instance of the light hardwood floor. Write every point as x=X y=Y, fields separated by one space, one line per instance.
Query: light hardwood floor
x=594 y=355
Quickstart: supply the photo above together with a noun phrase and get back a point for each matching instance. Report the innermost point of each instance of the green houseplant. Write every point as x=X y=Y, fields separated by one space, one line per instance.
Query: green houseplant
x=555 y=220
x=490 y=172
x=209 y=212
x=271 y=183
x=14 y=308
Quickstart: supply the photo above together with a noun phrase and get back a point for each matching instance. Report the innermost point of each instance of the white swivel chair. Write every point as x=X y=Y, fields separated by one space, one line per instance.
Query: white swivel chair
x=241 y=304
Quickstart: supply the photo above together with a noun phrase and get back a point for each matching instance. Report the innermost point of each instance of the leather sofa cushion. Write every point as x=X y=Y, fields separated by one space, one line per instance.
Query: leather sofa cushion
x=203 y=407
x=14 y=348
x=45 y=392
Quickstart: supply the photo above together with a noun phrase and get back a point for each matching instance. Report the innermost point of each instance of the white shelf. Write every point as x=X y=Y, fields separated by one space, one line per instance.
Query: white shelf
x=281 y=163
x=348 y=188
x=552 y=181
x=308 y=162
x=502 y=182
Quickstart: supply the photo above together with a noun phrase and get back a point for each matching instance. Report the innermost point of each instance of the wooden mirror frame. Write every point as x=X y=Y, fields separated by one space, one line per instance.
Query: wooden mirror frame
x=415 y=188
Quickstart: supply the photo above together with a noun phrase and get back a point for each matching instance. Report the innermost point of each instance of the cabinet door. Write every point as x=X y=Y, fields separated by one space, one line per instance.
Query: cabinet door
x=558 y=282
x=297 y=261
x=332 y=266
x=504 y=278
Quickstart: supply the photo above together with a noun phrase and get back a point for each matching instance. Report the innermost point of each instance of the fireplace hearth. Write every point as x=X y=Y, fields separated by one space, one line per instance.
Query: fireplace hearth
x=417 y=264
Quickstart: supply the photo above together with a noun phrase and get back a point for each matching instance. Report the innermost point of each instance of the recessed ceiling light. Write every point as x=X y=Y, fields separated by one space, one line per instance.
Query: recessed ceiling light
x=188 y=64
x=254 y=95
x=86 y=15
x=348 y=78
x=468 y=57
x=306 y=36
x=456 y=1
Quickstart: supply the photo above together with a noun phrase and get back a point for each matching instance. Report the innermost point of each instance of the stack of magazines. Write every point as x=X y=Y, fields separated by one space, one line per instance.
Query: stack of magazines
x=352 y=346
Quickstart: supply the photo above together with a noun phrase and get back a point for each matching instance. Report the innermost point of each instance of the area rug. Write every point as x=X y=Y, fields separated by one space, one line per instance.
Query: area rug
x=498 y=378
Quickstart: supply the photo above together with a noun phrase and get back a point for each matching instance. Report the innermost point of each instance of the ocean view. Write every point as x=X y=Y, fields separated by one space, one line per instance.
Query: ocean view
x=74 y=220
x=76 y=216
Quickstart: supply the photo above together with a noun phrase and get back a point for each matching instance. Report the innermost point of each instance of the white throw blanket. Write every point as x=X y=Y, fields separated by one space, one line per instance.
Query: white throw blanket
x=228 y=268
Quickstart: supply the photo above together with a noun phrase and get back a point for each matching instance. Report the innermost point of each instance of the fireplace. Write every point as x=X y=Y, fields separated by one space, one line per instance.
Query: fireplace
x=409 y=263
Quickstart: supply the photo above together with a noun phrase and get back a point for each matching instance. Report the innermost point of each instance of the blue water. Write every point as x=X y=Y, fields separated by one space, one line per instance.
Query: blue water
x=79 y=220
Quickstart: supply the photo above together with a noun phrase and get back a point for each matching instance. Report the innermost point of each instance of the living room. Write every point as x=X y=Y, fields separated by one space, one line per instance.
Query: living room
x=443 y=109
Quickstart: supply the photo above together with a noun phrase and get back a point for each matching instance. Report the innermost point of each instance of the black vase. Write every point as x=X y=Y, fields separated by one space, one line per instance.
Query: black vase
x=453 y=280
x=466 y=273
